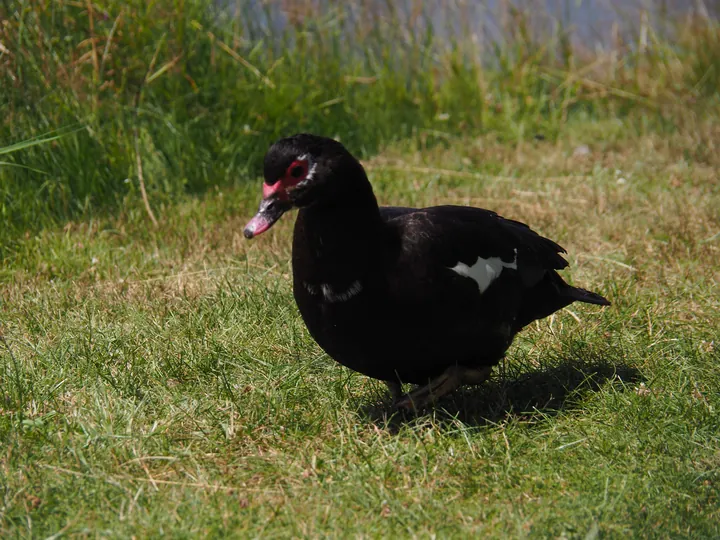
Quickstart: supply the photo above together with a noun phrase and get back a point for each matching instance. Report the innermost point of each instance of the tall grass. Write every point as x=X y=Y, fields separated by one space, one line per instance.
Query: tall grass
x=191 y=95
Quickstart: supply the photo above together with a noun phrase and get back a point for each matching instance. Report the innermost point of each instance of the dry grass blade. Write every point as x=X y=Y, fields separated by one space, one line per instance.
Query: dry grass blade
x=177 y=483
x=233 y=54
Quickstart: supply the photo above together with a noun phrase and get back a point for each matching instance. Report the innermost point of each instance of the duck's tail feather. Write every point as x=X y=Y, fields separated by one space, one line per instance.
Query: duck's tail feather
x=589 y=297
x=551 y=295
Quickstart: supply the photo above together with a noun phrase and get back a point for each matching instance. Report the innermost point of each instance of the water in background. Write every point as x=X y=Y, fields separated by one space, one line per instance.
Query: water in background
x=591 y=23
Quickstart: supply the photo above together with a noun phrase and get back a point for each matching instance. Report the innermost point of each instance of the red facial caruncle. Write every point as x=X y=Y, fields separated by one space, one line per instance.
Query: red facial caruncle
x=295 y=173
x=276 y=200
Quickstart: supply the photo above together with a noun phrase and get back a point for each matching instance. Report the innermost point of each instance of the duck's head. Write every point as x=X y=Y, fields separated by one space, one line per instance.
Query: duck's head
x=304 y=170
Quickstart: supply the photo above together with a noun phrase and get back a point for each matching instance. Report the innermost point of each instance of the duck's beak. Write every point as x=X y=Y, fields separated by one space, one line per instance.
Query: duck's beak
x=271 y=209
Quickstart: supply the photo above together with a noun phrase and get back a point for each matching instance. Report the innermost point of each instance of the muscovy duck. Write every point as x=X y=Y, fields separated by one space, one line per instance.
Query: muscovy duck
x=430 y=296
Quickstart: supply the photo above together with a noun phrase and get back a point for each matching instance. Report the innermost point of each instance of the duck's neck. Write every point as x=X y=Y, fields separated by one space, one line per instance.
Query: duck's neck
x=338 y=241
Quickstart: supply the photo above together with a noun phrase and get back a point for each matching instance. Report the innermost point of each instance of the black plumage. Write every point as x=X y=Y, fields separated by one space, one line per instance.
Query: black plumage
x=431 y=296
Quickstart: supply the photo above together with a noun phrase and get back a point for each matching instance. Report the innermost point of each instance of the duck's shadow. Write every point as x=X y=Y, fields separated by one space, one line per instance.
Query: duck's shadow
x=516 y=392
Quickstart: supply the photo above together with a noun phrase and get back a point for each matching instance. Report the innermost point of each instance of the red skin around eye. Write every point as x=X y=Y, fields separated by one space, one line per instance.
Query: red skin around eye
x=276 y=189
x=280 y=187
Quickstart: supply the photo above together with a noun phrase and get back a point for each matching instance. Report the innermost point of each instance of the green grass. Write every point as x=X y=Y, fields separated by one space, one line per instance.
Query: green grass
x=155 y=376
x=161 y=381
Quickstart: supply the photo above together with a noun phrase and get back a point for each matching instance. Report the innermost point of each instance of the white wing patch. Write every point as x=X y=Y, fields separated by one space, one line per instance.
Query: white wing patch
x=484 y=271
x=331 y=295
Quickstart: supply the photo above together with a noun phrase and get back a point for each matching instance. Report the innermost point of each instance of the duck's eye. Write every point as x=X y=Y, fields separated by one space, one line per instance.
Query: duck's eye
x=297 y=171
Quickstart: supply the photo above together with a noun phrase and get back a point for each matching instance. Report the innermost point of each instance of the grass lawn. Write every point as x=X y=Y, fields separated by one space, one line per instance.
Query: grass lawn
x=159 y=380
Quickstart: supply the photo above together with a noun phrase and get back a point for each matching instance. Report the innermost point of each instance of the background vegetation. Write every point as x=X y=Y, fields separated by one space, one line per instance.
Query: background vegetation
x=155 y=376
x=197 y=92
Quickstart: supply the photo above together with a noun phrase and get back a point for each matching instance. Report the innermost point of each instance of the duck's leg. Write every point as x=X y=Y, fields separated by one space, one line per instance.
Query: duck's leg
x=476 y=375
x=450 y=380
x=395 y=389
x=435 y=389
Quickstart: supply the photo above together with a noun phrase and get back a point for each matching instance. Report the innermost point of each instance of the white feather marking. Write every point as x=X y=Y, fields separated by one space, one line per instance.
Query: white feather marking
x=312 y=289
x=311 y=169
x=332 y=296
x=484 y=271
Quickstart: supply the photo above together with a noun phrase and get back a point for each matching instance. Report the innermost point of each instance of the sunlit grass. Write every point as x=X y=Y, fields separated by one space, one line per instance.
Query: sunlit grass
x=156 y=379
x=162 y=381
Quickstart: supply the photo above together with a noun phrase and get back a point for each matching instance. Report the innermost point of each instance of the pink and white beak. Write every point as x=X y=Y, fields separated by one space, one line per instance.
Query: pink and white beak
x=274 y=204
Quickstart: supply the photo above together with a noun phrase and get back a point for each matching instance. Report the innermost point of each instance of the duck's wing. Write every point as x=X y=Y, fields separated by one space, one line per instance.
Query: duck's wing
x=473 y=243
x=390 y=212
x=465 y=256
